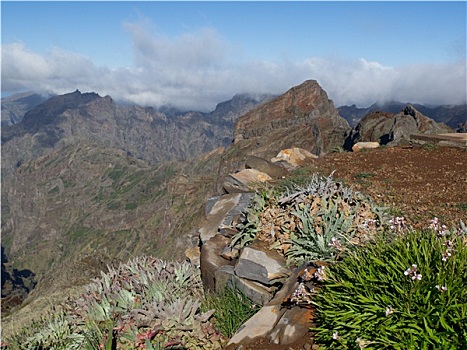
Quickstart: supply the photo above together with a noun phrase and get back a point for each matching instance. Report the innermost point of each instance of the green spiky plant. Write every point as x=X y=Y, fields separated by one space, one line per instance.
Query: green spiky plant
x=405 y=291
x=232 y=309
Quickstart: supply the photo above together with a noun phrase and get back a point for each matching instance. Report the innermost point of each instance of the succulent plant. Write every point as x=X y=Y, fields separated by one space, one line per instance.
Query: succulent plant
x=319 y=221
x=147 y=301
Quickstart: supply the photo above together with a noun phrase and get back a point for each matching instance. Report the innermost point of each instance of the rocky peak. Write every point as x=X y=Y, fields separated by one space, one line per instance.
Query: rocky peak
x=394 y=129
x=304 y=117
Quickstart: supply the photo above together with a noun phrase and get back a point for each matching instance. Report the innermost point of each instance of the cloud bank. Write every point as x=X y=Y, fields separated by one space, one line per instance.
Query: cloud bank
x=198 y=70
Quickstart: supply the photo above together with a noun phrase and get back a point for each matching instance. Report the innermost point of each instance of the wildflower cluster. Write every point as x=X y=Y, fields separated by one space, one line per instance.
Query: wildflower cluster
x=397 y=224
x=440 y=229
x=302 y=295
x=389 y=310
x=412 y=272
x=320 y=274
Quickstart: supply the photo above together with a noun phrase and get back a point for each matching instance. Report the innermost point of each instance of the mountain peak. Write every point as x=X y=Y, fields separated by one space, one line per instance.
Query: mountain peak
x=303 y=117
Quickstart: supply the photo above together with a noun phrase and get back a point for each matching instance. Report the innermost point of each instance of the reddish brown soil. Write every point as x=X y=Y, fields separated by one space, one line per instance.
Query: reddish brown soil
x=419 y=183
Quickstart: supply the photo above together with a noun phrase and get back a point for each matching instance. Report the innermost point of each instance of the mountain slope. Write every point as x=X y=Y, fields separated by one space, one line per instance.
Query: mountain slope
x=15 y=107
x=87 y=181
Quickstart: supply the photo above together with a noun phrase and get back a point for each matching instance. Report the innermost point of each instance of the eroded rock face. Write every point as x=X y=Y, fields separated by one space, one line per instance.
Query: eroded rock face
x=302 y=117
x=394 y=129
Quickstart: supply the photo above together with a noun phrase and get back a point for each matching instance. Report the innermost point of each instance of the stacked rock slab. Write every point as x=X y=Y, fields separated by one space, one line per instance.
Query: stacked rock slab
x=259 y=272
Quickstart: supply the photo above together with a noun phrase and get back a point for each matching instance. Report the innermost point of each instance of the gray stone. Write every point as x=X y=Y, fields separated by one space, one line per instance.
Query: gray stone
x=258 y=326
x=258 y=263
x=233 y=215
x=223 y=277
x=210 y=202
x=256 y=292
x=230 y=253
x=222 y=213
x=216 y=215
x=211 y=260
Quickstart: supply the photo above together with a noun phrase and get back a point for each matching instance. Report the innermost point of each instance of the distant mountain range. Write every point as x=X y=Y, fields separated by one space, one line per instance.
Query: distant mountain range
x=16 y=106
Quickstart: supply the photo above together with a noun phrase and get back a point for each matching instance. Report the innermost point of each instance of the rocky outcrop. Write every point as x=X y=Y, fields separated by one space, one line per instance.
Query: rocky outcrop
x=451 y=115
x=394 y=129
x=283 y=292
x=302 y=117
x=292 y=158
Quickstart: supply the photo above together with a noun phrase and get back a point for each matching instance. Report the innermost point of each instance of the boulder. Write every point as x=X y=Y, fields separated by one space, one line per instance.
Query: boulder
x=258 y=263
x=293 y=325
x=274 y=325
x=265 y=166
x=292 y=158
x=257 y=292
x=258 y=326
x=225 y=277
x=242 y=181
x=364 y=145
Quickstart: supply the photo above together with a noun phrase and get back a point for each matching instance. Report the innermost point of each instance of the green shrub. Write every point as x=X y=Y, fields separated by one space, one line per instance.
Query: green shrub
x=318 y=221
x=232 y=309
x=405 y=291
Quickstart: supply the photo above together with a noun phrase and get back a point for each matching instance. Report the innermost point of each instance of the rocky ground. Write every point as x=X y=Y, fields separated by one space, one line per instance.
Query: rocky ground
x=418 y=182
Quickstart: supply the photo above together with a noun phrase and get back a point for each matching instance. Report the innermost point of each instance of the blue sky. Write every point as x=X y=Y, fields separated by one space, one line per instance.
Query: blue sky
x=195 y=54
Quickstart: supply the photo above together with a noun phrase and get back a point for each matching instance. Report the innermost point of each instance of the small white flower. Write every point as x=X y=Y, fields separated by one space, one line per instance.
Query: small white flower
x=446 y=255
x=335 y=243
x=411 y=270
x=320 y=274
x=389 y=310
x=448 y=244
x=442 y=289
x=417 y=276
x=335 y=336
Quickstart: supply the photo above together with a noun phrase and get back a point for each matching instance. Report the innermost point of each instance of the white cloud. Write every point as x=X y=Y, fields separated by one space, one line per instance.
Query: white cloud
x=197 y=70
